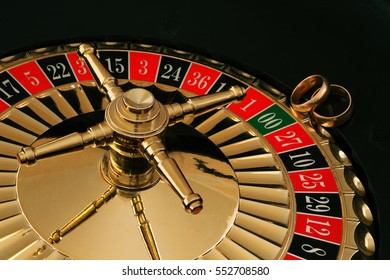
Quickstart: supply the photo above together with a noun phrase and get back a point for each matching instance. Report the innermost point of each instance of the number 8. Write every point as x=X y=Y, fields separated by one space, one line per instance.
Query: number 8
x=310 y=249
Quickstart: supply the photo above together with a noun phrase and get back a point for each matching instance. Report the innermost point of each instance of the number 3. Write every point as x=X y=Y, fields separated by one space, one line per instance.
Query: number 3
x=143 y=70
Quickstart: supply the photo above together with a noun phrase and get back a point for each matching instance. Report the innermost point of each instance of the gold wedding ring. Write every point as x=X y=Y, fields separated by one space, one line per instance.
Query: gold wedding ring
x=304 y=87
x=338 y=118
x=322 y=91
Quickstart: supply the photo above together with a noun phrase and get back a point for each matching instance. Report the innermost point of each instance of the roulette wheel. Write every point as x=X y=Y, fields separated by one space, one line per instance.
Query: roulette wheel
x=165 y=141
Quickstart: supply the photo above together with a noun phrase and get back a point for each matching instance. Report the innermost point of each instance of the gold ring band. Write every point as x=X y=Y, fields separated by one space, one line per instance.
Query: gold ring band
x=339 y=119
x=316 y=99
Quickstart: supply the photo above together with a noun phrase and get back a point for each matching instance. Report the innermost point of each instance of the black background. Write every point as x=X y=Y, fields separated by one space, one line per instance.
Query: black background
x=347 y=41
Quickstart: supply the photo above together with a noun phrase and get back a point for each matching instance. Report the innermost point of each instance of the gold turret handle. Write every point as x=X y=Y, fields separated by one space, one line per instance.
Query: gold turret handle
x=170 y=173
x=96 y=136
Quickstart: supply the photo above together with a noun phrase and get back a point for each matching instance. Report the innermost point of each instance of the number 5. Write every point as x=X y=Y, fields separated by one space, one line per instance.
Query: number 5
x=33 y=80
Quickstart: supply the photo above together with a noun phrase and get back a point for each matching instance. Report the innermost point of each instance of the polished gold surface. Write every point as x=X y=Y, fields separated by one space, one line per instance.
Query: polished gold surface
x=134 y=125
x=221 y=204
x=171 y=174
x=202 y=104
x=112 y=233
x=96 y=178
x=99 y=135
x=91 y=209
x=144 y=226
